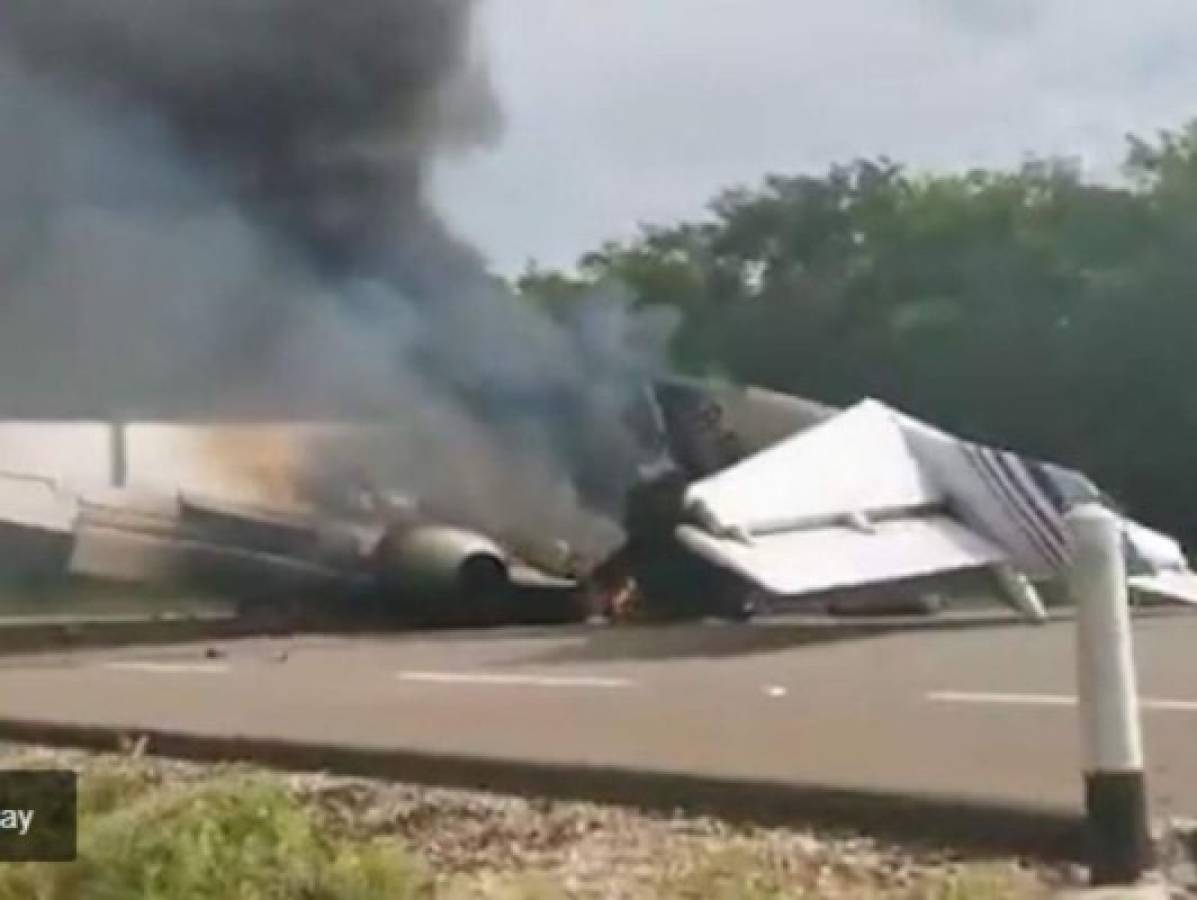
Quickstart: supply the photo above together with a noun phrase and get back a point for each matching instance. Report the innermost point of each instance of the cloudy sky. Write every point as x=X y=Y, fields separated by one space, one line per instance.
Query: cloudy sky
x=627 y=111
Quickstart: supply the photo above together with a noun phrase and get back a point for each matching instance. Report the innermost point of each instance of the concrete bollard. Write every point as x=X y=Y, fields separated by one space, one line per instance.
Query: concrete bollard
x=1115 y=789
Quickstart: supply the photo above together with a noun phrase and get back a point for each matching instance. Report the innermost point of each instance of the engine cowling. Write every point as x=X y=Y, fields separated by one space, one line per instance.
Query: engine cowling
x=437 y=563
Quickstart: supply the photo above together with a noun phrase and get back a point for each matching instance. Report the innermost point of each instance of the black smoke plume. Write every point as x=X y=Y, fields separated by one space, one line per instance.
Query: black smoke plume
x=214 y=208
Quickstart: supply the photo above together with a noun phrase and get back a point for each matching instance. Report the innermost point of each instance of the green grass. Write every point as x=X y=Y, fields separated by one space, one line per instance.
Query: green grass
x=234 y=833
x=983 y=882
x=237 y=838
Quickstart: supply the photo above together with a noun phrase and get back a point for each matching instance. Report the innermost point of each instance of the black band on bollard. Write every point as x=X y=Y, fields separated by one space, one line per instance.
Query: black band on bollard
x=1119 y=843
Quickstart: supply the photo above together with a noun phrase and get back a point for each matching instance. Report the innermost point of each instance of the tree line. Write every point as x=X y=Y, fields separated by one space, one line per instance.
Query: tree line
x=1033 y=308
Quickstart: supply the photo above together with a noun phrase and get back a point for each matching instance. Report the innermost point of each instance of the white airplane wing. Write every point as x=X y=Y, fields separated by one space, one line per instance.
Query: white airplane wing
x=791 y=563
x=840 y=505
x=1012 y=500
x=1157 y=565
x=1148 y=551
x=856 y=462
x=1020 y=504
x=872 y=495
x=1178 y=586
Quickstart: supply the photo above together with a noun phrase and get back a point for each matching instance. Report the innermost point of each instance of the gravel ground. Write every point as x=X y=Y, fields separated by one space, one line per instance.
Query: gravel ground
x=603 y=851
x=486 y=845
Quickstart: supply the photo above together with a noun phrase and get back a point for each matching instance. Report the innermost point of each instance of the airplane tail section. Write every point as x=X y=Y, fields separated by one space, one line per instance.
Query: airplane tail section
x=707 y=427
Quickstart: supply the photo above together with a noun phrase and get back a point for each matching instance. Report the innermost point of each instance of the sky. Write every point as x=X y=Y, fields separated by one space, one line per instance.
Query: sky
x=622 y=112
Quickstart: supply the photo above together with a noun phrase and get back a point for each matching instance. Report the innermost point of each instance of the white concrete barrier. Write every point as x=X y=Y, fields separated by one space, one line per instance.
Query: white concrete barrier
x=1115 y=789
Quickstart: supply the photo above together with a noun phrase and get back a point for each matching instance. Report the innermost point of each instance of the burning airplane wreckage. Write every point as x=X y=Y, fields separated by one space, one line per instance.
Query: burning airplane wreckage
x=377 y=557
x=219 y=211
x=763 y=495
x=747 y=494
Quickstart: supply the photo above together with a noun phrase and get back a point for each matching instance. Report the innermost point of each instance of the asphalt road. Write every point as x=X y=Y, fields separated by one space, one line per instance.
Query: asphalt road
x=980 y=712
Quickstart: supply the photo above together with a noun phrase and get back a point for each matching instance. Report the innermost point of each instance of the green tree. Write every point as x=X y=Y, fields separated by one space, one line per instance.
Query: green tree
x=1029 y=308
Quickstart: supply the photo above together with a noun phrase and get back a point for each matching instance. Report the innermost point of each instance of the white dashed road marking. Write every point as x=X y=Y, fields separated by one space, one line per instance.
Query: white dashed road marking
x=1148 y=703
x=514 y=680
x=168 y=668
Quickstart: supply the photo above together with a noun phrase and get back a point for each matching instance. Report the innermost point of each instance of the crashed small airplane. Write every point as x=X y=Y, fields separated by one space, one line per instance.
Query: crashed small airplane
x=392 y=562
x=749 y=493
x=759 y=491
